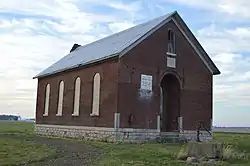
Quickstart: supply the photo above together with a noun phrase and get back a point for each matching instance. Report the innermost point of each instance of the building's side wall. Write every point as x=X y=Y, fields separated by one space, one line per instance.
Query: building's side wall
x=108 y=96
x=149 y=57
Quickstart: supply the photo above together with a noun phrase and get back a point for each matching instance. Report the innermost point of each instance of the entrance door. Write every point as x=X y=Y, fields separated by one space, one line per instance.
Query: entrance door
x=170 y=103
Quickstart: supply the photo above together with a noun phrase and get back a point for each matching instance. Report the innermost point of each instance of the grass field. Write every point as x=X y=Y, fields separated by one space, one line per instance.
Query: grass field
x=21 y=151
x=14 y=152
x=17 y=152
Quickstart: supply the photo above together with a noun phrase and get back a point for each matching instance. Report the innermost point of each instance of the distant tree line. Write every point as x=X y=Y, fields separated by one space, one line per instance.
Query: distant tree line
x=9 y=117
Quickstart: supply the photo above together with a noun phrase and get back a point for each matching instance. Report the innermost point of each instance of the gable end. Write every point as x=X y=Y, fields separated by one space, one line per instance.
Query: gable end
x=187 y=34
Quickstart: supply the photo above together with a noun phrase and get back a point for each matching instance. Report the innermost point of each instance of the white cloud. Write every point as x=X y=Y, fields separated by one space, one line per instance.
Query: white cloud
x=21 y=58
x=229 y=50
x=6 y=23
x=132 y=7
x=238 y=9
x=221 y=40
x=240 y=32
x=119 y=26
x=44 y=32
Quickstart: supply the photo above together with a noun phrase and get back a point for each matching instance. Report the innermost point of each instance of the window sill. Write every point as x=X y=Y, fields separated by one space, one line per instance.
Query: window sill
x=45 y=114
x=58 y=114
x=171 y=54
x=171 y=67
x=94 y=115
x=75 y=114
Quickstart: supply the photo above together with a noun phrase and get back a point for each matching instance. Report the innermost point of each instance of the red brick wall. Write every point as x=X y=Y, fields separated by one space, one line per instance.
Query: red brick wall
x=108 y=100
x=149 y=58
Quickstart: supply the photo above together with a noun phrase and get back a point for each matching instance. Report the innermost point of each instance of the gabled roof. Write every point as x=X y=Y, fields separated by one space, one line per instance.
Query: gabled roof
x=118 y=44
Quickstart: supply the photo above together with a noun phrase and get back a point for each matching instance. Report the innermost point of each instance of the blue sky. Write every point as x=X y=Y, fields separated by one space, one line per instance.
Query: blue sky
x=35 y=34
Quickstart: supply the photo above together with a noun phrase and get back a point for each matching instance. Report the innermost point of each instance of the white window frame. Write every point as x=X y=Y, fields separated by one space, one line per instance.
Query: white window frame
x=46 y=101
x=60 y=99
x=96 y=95
x=171 y=43
x=77 y=95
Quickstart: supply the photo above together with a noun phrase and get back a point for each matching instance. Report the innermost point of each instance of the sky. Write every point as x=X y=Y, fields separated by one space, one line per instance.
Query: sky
x=35 y=34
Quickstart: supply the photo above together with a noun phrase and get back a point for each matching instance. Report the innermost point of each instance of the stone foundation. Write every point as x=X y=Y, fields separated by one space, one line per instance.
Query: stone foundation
x=110 y=134
x=192 y=135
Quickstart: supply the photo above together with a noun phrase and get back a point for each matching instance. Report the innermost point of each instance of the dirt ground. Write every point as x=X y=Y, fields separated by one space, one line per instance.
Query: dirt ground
x=68 y=153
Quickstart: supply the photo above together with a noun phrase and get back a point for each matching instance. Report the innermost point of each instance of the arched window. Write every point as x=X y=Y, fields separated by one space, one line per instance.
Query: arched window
x=96 y=95
x=77 y=96
x=171 y=42
x=60 y=99
x=46 y=105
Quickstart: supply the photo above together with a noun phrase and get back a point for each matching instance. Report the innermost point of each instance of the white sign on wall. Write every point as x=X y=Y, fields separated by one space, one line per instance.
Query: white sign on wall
x=171 y=62
x=146 y=82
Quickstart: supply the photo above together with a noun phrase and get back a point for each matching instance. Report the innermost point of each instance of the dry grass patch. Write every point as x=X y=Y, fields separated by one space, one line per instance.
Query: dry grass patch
x=182 y=154
x=229 y=153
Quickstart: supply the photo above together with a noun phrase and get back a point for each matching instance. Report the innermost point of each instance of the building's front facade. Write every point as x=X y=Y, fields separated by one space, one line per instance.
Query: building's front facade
x=159 y=84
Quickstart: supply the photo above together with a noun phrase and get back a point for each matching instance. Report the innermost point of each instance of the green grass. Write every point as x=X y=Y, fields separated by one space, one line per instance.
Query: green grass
x=139 y=154
x=240 y=141
x=15 y=151
x=20 y=151
x=20 y=128
x=156 y=154
x=237 y=150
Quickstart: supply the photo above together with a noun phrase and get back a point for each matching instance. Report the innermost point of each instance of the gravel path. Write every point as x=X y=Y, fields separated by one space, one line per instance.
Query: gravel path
x=68 y=153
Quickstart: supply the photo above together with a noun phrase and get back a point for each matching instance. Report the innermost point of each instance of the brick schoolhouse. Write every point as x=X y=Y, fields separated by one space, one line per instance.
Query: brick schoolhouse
x=147 y=80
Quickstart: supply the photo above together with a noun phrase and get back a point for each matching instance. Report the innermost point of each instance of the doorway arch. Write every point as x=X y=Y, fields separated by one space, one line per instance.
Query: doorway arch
x=170 y=102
